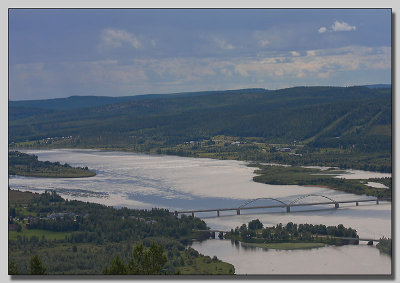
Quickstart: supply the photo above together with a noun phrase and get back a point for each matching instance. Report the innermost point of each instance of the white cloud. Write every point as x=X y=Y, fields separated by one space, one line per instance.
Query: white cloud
x=221 y=43
x=318 y=63
x=295 y=53
x=264 y=42
x=337 y=26
x=311 y=52
x=342 y=26
x=113 y=38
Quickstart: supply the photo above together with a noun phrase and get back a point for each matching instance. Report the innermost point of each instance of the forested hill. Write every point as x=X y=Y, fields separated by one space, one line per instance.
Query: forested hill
x=335 y=117
x=78 y=102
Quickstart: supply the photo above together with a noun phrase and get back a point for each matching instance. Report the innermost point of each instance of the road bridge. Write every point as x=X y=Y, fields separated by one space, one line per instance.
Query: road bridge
x=287 y=206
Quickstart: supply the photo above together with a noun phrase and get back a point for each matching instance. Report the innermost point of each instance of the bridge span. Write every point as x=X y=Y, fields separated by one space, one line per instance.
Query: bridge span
x=282 y=204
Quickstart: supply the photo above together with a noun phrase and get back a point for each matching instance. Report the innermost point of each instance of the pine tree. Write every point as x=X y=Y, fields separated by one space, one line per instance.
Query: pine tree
x=12 y=268
x=36 y=266
x=117 y=267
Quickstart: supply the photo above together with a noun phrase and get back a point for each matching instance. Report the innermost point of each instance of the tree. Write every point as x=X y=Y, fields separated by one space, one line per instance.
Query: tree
x=117 y=267
x=12 y=268
x=147 y=261
x=144 y=261
x=157 y=258
x=137 y=263
x=255 y=224
x=385 y=245
x=36 y=266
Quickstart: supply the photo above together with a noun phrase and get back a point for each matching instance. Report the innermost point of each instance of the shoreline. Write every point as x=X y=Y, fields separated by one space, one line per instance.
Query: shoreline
x=250 y=163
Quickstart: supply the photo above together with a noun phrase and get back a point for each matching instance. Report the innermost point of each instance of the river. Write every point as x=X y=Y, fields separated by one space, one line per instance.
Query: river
x=178 y=183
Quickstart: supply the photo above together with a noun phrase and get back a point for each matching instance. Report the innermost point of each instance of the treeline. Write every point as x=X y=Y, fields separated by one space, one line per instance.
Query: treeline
x=254 y=232
x=28 y=165
x=99 y=224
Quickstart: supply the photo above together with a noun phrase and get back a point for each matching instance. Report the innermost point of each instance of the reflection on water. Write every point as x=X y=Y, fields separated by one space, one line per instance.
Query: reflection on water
x=177 y=183
x=360 y=259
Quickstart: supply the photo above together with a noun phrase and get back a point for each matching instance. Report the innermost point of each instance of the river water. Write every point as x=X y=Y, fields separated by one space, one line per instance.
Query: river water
x=178 y=183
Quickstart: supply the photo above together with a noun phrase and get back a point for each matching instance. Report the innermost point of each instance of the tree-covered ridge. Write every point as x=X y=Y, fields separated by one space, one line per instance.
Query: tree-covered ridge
x=276 y=116
x=23 y=164
x=74 y=237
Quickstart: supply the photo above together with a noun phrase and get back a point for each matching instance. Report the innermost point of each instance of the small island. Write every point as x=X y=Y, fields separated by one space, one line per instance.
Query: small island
x=28 y=165
x=292 y=236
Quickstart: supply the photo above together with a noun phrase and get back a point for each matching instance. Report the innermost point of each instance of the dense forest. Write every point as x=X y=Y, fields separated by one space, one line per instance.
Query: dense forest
x=28 y=165
x=335 y=126
x=73 y=237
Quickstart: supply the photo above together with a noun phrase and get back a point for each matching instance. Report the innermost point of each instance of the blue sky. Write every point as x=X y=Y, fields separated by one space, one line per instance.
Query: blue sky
x=112 y=52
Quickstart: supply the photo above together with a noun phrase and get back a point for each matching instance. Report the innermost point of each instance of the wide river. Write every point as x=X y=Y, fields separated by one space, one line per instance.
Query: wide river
x=178 y=183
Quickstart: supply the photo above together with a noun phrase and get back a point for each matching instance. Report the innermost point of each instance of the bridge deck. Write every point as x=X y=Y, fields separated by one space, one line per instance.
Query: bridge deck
x=280 y=205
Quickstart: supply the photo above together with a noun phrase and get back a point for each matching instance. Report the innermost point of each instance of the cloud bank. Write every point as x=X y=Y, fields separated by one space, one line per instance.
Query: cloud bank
x=150 y=75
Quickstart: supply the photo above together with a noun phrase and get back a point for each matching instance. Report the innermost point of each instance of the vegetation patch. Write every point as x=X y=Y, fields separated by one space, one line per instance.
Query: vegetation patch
x=385 y=245
x=295 y=175
x=292 y=236
x=23 y=164
x=37 y=235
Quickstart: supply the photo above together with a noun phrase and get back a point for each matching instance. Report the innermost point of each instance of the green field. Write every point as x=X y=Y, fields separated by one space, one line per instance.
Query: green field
x=28 y=233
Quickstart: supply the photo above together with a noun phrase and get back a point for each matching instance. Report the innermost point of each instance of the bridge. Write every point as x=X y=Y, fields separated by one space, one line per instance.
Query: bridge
x=287 y=206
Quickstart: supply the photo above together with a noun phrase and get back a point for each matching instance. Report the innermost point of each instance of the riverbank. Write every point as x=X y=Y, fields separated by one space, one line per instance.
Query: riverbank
x=249 y=149
x=296 y=175
x=27 y=165
x=271 y=174
x=285 y=246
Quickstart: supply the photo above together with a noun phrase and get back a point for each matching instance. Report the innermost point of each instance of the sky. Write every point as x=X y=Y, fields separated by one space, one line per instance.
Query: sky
x=57 y=53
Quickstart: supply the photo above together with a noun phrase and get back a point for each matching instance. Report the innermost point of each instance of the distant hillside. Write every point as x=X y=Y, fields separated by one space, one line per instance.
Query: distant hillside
x=15 y=113
x=379 y=86
x=78 y=102
x=339 y=117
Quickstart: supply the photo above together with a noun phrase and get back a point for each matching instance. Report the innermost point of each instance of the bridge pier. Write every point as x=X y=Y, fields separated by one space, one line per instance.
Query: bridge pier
x=217 y=212
x=238 y=212
x=356 y=203
x=336 y=205
x=288 y=208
